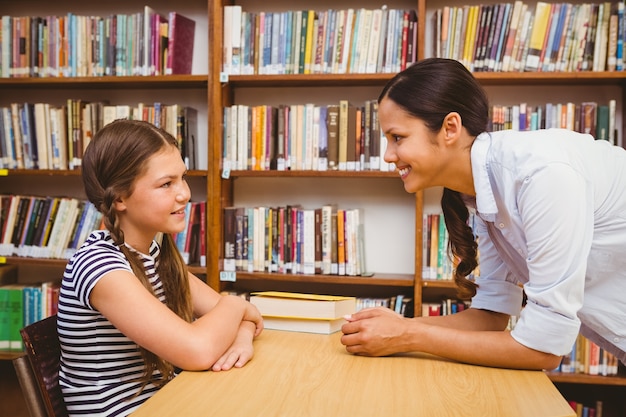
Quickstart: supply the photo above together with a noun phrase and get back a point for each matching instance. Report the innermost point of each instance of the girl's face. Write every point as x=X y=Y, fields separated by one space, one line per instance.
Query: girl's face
x=411 y=146
x=157 y=203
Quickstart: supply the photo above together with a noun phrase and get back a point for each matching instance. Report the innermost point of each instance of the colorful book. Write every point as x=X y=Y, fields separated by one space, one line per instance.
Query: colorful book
x=332 y=126
x=537 y=36
x=14 y=309
x=230 y=216
x=181 y=44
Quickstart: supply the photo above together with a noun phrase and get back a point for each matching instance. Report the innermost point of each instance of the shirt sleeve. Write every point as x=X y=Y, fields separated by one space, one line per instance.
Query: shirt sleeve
x=555 y=206
x=91 y=267
x=497 y=287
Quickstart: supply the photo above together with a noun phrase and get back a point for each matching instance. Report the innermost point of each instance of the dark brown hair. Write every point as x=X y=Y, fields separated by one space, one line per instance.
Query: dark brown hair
x=115 y=158
x=429 y=90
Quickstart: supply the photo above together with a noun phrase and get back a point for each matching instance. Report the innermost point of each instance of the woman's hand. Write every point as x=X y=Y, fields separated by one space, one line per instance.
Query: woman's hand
x=374 y=332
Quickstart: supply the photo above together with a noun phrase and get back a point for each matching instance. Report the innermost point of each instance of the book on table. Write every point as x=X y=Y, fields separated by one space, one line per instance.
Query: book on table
x=313 y=313
x=300 y=324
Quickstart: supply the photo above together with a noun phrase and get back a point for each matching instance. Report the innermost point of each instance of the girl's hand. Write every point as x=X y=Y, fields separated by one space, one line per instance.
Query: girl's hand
x=240 y=352
x=253 y=315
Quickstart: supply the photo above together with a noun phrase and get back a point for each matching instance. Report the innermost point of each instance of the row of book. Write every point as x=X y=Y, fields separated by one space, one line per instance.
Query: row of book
x=191 y=242
x=315 y=42
x=21 y=305
x=45 y=227
x=400 y=303
x=54 y=227
x=47 y=136
x=142 y=43
x=589 y=117
x=436 y=263
x=340 y=136
x=586 y=357
x=583 y=410
x=514 y=37
x=444 y=307
x=293 y=239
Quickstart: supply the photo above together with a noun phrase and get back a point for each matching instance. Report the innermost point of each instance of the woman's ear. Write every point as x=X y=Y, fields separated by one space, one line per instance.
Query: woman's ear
x=452 y=126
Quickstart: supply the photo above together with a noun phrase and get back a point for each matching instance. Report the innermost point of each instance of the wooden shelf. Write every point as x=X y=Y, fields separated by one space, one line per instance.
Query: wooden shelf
x=387 y=280
x=309 y=80
x=552 y=78
x=9 y=355
x=22 y=260
x=587 y=379
x=134 y=82
x=68 y=172
x=316 y=174
x=60 y=263
x=197 y=270
x=438 y=283
x=486 y=78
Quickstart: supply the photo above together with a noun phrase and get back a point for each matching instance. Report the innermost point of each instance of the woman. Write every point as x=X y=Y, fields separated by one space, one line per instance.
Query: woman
x=550 y=223
x=130 y=313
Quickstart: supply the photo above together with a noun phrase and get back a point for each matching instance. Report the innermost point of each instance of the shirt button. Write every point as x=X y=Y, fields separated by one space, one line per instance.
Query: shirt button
x=501 y=225
x=616 y=339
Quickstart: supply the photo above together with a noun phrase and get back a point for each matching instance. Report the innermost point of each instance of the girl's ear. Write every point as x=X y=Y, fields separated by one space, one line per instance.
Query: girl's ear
x=452 y=126
x=119 y=205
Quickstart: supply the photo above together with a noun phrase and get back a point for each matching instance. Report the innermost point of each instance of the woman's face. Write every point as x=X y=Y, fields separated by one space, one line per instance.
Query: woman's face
x=411 y=146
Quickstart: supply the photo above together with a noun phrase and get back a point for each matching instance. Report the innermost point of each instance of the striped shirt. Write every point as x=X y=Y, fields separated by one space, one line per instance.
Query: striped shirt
x=100 y=367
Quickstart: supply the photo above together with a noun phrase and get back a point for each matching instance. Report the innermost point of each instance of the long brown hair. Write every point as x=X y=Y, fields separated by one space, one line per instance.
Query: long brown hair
x=115 y=158
x=429 y=90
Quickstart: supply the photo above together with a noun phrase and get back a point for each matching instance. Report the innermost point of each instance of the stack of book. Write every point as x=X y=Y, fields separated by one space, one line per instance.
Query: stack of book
x=310 y=313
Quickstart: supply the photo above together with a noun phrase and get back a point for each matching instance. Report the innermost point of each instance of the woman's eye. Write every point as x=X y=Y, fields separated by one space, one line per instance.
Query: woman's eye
x=396 y=137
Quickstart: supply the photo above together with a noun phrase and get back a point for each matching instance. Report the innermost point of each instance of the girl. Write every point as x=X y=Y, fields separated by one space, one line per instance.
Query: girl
x=551 y=222
x=130 y=314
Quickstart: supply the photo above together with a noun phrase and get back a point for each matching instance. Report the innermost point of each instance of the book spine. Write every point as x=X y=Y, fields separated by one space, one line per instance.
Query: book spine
x=16 y=317
x=538 y=35
x=5 y=319
x=229 y=239
x=332 y=126
x=341 y=242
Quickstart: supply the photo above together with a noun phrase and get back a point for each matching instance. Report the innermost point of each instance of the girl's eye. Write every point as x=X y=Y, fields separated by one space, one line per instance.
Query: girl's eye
x=396 y=138
x=167 y=184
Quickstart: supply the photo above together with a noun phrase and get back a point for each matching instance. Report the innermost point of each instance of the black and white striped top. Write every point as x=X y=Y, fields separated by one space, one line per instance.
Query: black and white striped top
x=100 y=367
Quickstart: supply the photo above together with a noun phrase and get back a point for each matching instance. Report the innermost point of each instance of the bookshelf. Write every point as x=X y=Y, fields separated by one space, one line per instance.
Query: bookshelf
x=311 y=188
x=190 y=90
x=259 y=187
x=391 y=212
x=539 y=88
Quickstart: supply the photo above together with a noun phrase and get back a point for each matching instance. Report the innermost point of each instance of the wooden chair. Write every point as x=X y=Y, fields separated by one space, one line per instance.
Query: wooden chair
x=38 y=370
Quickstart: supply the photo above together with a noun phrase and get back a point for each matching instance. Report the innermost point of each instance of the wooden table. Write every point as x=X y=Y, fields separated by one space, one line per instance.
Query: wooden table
x=299 y=374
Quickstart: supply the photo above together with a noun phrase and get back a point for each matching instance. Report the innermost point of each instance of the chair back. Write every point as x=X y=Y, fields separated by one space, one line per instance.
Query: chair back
x=30 y=387
x=41 y=342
